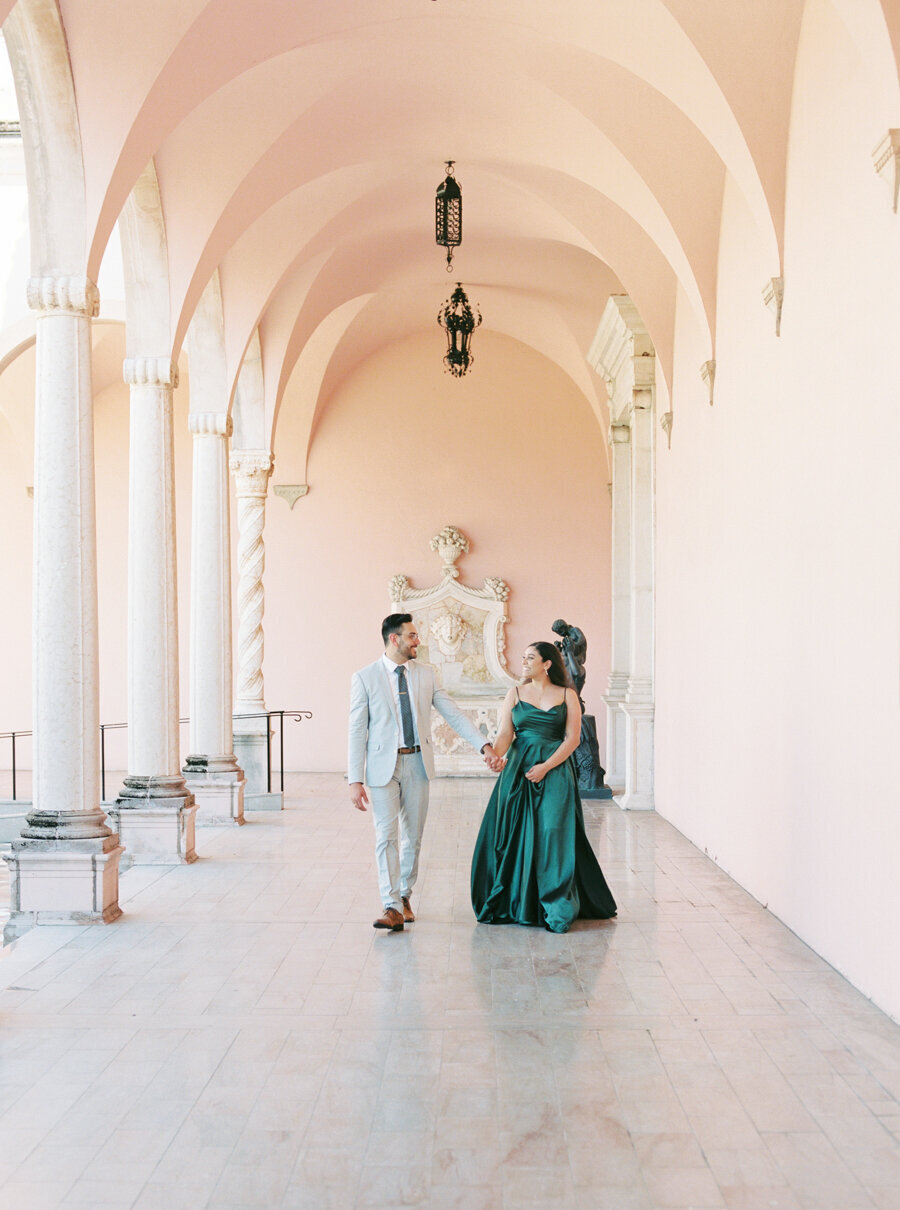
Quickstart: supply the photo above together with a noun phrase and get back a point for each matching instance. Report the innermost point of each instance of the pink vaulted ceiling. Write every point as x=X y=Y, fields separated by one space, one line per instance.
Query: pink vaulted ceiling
x=298 y=145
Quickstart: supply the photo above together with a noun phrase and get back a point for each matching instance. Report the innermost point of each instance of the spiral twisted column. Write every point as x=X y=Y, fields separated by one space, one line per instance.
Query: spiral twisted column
x=65 y=866
x=251 y=470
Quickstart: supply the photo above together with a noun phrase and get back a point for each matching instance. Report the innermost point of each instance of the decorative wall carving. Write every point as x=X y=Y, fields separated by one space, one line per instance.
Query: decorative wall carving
x=462 y=631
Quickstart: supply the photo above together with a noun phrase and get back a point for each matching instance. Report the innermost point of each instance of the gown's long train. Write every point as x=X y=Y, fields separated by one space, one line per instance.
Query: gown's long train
x=533 y=863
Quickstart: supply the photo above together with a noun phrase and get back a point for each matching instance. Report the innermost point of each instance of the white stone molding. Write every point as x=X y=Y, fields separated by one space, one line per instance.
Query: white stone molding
x=639 y=694
x=708 y=374
x=620 y=441
x=463 y=637
x=65 y=866
x=150 y=371
x=623 y=353
x=291 y=492
x=212 y=774
x=773 y=297
x=886 y=157
x=621 y=342
x=154 y=811
x=210 y=424
x=666 y=421
x=65 y=295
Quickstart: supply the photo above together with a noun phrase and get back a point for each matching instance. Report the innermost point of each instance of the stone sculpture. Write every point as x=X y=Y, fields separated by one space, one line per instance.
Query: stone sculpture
x=572 y=644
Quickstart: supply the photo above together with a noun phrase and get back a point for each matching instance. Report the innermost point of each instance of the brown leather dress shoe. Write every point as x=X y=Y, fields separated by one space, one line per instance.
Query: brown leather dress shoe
x=390 y=920
x=408 y=914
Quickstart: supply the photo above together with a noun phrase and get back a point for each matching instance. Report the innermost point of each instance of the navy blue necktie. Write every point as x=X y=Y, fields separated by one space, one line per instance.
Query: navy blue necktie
x=409 y=734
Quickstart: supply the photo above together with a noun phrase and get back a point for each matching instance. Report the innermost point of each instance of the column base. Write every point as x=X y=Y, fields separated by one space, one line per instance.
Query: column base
x=635 y=801
x=264 y=802
x=218 y=789
x=252 y=754
x=62 y=882
x=155 y=821
x=638 y=794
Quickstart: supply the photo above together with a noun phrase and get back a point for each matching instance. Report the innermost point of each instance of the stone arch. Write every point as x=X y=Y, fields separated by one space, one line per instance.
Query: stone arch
x=51 y=136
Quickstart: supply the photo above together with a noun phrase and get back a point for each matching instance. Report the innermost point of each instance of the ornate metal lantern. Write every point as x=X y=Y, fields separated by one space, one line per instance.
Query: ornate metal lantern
x=448 y=214
x=459 y=321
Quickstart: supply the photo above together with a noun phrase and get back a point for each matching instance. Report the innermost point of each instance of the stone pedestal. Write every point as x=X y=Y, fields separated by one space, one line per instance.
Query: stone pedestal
x=65 y=866
x=155 y=818
x=638 y=794
x=63 y=882
x=217 y=784
x=251 y=753
x=587 y=762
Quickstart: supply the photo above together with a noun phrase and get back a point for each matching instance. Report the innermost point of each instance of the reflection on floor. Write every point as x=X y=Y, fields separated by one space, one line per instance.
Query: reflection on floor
x=242 y=1038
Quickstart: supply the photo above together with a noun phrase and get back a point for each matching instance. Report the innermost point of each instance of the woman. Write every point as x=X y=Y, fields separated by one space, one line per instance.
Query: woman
x=533 y=863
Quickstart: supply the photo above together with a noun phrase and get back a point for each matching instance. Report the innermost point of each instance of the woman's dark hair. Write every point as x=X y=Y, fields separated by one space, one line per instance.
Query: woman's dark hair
x=557 y=670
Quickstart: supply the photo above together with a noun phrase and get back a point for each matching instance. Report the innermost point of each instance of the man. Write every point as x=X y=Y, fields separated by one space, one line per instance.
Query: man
x=390 y=748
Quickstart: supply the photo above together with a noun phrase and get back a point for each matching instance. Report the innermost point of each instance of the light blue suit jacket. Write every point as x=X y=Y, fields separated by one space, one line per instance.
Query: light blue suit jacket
x=375 y=727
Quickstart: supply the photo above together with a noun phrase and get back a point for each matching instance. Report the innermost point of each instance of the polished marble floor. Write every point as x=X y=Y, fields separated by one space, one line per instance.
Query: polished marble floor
x=243 y=1038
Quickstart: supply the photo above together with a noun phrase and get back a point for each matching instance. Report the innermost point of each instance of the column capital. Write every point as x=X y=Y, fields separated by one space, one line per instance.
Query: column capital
x=619 y=434
x=150 y=371
x=251 y=470
x=210 y=424
x=67 y=295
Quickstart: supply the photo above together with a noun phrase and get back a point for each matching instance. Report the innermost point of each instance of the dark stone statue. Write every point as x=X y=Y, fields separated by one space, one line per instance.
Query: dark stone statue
x=573 y=648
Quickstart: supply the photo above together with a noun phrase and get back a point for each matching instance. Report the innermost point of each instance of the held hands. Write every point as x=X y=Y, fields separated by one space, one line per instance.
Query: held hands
x=494 y=762
x=537 y=773
x=358 y=795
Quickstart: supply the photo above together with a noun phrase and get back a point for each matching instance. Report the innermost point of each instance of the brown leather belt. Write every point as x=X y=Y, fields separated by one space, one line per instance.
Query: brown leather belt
x=409 y=751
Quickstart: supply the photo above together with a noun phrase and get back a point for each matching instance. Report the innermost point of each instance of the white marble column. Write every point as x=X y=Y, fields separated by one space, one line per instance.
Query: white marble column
x=639 y=697
x=251 y=470
x=211 y=771
x=620 y=443
x=155 y=810
x=65 y=867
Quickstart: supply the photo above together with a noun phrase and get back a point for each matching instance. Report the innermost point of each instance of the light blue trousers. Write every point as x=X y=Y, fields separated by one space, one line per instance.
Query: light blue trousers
x=398 y=812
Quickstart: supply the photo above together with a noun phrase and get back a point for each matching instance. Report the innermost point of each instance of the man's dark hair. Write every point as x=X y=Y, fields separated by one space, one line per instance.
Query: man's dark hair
x=393 y=624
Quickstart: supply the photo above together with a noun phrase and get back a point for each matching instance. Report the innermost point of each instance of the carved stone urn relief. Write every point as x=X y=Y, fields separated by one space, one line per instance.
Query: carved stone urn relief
x=463 y=637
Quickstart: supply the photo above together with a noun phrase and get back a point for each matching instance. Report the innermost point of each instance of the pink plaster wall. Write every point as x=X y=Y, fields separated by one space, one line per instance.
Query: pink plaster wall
x=778 y=583
x=511 y=454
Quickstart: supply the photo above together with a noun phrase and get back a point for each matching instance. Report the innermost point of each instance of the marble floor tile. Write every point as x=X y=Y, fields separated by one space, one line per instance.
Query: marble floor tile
x=242 y=1038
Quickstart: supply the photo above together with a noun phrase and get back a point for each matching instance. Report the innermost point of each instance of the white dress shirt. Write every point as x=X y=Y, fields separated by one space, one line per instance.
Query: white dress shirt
x=395 y=691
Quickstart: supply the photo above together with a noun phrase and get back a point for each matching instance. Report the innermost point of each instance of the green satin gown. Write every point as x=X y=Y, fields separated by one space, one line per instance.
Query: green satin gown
x=533 y=863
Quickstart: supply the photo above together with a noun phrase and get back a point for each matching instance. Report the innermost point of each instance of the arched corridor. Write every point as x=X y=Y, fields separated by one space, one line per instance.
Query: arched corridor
x=246 y=1040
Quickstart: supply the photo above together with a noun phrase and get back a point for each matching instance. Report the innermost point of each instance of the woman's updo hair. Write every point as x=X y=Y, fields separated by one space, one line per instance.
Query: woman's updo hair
x=557 y=670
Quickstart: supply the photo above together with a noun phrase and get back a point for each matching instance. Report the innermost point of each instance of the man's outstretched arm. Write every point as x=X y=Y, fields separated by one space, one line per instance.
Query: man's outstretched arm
x=356 y=741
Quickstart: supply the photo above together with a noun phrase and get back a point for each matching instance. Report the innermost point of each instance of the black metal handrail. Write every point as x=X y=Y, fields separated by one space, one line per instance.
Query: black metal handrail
x=296 y=716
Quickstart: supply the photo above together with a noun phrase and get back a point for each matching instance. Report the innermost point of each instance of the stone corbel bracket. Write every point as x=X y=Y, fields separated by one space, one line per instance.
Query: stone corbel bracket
x=886 y=157
x=665 y=423
x=773 y=297
x=708 y=374
x=291 y=492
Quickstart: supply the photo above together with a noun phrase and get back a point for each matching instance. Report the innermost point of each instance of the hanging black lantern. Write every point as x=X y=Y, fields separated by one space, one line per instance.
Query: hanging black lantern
x=459 y=321
x=448 y=214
